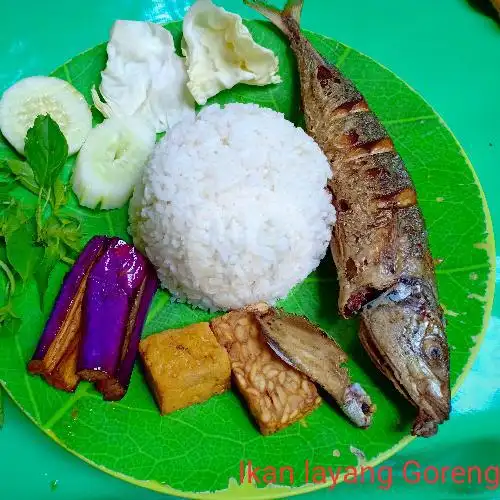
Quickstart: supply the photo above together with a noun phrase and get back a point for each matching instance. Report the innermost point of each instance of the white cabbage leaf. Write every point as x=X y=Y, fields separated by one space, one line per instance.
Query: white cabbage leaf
x=220 y=52
x=144 y=77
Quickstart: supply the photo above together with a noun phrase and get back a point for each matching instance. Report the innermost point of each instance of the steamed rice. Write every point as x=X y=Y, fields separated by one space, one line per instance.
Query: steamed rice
x=233 y=207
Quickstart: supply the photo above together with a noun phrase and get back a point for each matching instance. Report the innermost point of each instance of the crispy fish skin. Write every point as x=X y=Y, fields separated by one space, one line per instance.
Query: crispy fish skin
x=307 y=348
x=380 y=241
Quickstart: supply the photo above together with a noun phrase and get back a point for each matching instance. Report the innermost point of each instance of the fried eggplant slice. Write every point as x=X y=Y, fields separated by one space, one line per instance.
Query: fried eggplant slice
x=56 y=352
x=120 y=287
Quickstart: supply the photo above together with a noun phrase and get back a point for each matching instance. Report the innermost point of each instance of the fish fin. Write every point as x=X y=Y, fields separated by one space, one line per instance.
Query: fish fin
x=287 y=20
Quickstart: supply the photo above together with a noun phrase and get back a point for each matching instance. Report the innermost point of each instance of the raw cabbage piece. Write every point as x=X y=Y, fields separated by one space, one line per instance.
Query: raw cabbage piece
x=220 y=52
x=144 y=76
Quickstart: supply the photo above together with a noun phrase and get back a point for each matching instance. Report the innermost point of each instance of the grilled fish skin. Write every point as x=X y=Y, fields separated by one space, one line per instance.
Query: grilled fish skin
x=380 y=242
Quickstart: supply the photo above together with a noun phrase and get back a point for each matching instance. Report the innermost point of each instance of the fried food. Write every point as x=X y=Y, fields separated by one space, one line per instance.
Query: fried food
x=185 y=366
x=379 y=244
x=308 y=349
x=277 y=395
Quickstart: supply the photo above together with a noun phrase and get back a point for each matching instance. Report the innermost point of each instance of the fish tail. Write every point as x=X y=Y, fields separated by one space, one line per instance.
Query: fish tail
x=287 y=20
x=294 y=9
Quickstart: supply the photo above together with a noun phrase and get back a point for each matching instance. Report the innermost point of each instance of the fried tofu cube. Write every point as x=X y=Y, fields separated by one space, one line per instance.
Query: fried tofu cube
x=185 y=366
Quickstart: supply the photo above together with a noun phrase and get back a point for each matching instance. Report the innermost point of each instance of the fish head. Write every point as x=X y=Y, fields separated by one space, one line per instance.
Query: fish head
x=403 y=331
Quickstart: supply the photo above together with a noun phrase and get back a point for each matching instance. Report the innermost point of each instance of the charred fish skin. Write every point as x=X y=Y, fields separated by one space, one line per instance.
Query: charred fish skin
x=380 y=240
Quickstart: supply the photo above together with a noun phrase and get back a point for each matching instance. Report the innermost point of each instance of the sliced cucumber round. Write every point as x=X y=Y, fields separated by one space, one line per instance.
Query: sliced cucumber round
x=41 y=95
x=111 y=161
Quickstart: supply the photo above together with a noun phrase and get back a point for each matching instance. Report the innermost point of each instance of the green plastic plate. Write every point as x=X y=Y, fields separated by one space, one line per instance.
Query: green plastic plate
x=200 y=449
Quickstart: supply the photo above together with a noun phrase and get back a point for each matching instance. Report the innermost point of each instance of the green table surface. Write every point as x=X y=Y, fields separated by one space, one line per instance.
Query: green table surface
x=450 y=53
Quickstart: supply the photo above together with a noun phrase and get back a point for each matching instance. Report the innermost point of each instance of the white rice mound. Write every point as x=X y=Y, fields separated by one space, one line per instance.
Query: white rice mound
x=233 y=208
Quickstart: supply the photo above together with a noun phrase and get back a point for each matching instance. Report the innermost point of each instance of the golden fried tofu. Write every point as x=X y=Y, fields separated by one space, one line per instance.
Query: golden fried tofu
x=185 y=366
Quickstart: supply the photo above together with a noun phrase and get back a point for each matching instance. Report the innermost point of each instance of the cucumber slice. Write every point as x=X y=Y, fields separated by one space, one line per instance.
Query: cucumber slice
x=41 y=95
x=111 y=161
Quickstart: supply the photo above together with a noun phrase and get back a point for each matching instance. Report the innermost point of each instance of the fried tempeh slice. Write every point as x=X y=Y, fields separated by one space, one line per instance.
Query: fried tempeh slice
x=277 y=395
x=306 y=347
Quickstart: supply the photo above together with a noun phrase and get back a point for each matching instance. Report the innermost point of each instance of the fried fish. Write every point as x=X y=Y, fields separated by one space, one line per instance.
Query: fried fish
x=307 y=348
x=380 y=248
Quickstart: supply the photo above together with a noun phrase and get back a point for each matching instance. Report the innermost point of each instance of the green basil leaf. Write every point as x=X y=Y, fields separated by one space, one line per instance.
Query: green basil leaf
x=14 y=166
x=50 y=256
x=63 y=230
x=6 y=175
x=13 y=215
x=22 y=252
x=59 y=195
x=46 y=150
x=71 y=236
x=23 y=173
x=5 y=189
x=10 y=327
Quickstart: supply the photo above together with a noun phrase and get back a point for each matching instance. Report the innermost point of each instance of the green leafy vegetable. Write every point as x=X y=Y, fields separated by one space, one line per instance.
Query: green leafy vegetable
x=59 y=194
x=13 y=215
x=35 y=244
x=10 y=327
x=50 y=256
x=5 y=189
x=62 y=232
x=61 y=236
x=46 y=150
x=11 y=280
x=22 y=251
x=23 y=173
x=6 y=310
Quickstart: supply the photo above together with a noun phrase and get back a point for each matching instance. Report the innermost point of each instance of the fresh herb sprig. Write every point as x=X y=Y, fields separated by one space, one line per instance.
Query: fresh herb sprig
x=36 y=234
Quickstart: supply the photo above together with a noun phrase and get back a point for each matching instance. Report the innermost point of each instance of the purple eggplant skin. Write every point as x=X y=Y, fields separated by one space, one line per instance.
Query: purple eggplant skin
x=112 y=287
x=116 y=387
x=64 y=302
